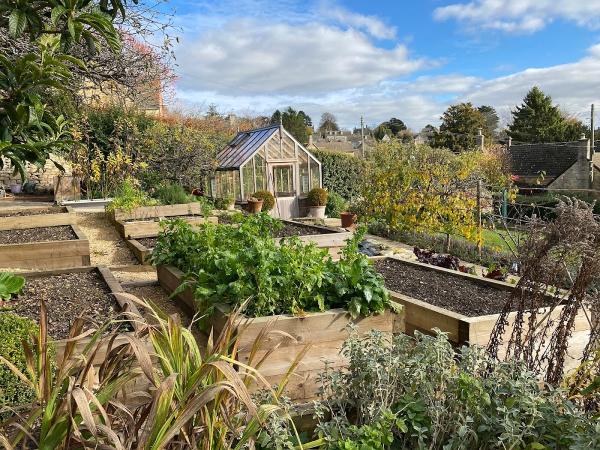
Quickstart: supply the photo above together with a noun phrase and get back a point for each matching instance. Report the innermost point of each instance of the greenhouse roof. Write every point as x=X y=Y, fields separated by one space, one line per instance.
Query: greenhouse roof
x=243 y=147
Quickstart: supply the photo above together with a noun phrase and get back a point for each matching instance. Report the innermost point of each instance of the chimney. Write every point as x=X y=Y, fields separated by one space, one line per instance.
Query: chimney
x=479 y=139
x=310 y=140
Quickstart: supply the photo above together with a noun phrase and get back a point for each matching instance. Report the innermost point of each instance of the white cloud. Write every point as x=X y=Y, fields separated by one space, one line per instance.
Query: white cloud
x=253 y=57
x=521 y=15
x=370 y=24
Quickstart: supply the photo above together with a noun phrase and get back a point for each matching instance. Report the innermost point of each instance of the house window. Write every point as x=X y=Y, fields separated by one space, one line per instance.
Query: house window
x=283 y=181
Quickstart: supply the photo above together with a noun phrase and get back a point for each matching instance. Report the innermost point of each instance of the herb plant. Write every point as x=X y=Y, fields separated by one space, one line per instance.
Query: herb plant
x=130 y=196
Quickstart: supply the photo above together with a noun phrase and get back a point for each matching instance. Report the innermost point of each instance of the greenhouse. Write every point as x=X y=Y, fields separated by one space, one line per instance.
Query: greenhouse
x=267 y=159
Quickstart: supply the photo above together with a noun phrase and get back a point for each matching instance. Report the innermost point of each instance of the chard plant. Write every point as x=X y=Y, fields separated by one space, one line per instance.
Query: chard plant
x=10 y=285
x=232 y=265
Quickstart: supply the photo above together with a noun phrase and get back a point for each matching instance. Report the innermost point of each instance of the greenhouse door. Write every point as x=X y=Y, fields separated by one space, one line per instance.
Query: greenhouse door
x=284 y=187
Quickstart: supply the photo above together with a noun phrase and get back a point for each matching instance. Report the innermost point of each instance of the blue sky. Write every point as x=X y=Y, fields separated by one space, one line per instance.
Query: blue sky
x=382 y=59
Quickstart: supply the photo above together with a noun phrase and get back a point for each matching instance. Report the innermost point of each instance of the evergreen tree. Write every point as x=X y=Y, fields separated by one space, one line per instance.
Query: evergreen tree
x=491 y=120
x=294 y=122
x=538 y=120
x=460 y=125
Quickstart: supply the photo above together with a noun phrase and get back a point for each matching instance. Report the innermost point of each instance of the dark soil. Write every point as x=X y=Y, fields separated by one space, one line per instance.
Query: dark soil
x=41 y=234
x=148 y=242
x=293 y=229
x=158 y=219
x=34 y=212
x=67 y=296
x=446 y=291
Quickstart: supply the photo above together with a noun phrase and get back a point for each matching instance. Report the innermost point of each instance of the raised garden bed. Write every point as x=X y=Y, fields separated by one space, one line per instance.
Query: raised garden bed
x=324 y=237
x=133 y=228
x=465 y=306
x=37 y=216
x=53 y=247
x=324 y=332
x=149 y=212
x=142 y=248
x=86 y=292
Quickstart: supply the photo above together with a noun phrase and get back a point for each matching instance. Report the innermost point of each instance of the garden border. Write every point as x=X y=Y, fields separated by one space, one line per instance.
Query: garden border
x=334 y=240
x=152 y=212
x=141 y=252
x=47 y=254
x=145 y=228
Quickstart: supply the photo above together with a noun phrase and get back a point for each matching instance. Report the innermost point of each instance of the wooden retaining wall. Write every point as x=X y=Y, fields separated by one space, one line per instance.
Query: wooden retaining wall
x=332 y=239
x=144 y=228
x=36 y=221
x=141 y=252
x=324 y=333
x=461 y=329
x=48 y=254
x=150 y=212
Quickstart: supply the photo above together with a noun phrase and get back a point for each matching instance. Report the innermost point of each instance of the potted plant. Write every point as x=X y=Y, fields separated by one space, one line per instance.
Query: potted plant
x=255 y=205
x=317 y=200
x=267 y=199
x=229 y=202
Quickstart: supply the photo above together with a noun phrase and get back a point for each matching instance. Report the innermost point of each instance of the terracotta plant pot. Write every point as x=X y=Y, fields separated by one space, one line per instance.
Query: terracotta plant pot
x=348 y=219
x=255 y=206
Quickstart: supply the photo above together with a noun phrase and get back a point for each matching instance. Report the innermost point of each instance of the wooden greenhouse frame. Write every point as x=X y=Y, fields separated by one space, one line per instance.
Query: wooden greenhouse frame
x=269 y=159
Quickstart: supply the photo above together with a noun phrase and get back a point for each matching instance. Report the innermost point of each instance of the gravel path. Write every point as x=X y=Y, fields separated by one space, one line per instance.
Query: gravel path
x=42 y=234
x=107 y=248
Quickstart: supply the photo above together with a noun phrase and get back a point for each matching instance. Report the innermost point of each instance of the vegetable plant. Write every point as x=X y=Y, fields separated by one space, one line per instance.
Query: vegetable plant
x=10 y=284
x=232 y=265
x=130 y=196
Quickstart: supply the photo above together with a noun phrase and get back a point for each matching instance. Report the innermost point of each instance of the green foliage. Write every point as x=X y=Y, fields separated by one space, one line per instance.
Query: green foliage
x=10 y=284
x=342 y=173
x=28 y=131
x=172 y=194
x=14 y=329
x=429 y=396
x=459 y=128
x=295 y=122
x=267 y=198
x=130 y=196
x=335 y=205
x=538 y=120
x=491 y=119
x=229 y=265
x=317 y=197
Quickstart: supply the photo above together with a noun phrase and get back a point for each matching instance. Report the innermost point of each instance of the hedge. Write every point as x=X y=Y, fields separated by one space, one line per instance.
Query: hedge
x=342 y=173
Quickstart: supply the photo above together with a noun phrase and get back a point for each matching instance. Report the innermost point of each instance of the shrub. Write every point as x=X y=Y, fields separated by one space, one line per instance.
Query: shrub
x=267 y=198
x=342 y=173
x=130 y=196
x=14 y=329
x=431 y=396
x=335 y=205
x=317 y=197
x=172 y=194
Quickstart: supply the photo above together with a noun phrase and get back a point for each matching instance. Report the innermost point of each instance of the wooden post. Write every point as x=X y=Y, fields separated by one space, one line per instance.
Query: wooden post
x=479 y=221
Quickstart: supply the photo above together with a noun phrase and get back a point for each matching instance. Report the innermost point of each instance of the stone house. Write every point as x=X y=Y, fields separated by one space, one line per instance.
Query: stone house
x=565 y=166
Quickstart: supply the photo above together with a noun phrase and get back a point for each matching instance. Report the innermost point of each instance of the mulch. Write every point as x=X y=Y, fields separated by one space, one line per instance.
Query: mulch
x=41 y=234
x=446 y=291
x=34 y=212
x=292 y=229
x=148 y=242
x=67 y=296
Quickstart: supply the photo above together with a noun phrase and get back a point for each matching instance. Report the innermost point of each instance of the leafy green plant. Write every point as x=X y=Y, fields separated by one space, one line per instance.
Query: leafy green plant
x=206 y=205
x=10 y=284
x=172 y=194
x=14 y=393
x=267 y=198
x=342 y=173
x=317 y=197
x=232 y=265
x=336 y=205
x=129 y=197
x=430 y=396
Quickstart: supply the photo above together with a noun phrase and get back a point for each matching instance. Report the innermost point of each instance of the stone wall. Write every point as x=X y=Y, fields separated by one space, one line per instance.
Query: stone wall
x=43 y=178
x=578 y=176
